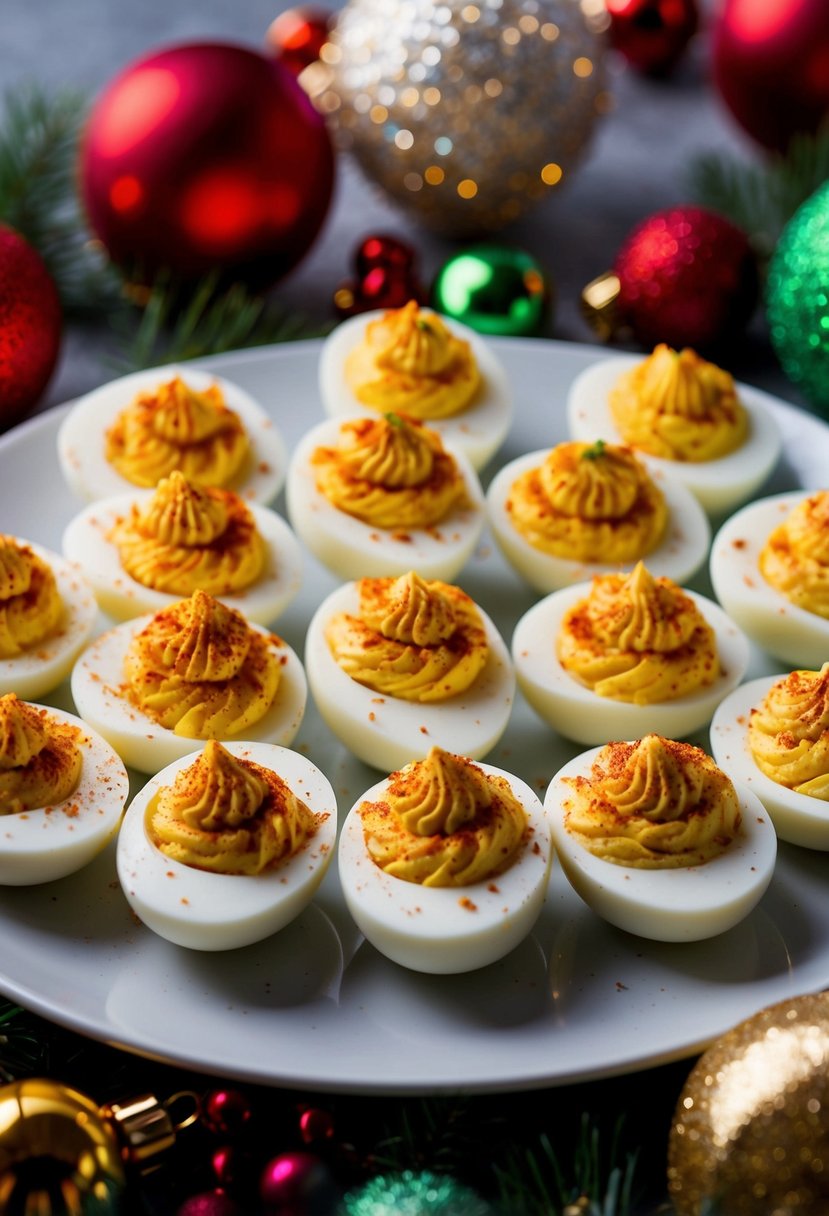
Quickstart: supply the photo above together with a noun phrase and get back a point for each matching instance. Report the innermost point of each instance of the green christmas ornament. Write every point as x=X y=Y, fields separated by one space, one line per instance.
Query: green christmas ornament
x=797 y=299
x=414 y=1193
x=494 y=289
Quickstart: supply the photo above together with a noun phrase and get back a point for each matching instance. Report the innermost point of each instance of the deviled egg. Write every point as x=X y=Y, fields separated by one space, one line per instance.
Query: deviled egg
x=770 y=571
x=561 y=515
x=444 y=865
x=132 y=432
x=626 y=655
x=657 y=840
x=47 y=613
x=685 y=416
x=773 y=735
x=226 y=846
x=414 y=362
x=144 y=550
x=382 y=496
x=397 y=665
x=195 y=670
x=62 y=792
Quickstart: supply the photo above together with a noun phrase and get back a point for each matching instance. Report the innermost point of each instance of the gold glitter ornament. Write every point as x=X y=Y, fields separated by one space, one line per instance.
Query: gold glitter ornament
x=750 y=1135
x=466 y=112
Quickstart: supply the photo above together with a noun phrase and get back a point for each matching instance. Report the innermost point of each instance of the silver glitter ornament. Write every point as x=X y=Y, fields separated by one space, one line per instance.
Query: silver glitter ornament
x=466 y=113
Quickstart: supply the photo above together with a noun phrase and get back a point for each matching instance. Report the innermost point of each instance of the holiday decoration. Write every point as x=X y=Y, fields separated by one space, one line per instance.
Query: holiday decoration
x=495 y=289
x=298 y=1183
x=386 y=277
x=652 y=34
x=797 y=299
x=685 y=276
x=30 y=326
x=296 y=37
x=226 y=1111
x=751 y=1130
x=465 y=113
x=770 y=66
x=209 y=1203
x=316 y=1125
x=206 y=157
x=413 y=1193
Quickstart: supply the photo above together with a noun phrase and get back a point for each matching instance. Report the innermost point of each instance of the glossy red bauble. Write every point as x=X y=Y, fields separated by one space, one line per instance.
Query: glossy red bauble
x=206 y=157
x=30 y=326
x=771 y=66
x=297 y=1183
x=652 y=34
x=296 y=36
x=386 y=277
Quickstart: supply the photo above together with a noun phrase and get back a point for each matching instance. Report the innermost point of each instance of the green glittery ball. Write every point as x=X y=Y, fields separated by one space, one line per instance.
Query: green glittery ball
x=414 y=1193
x=494 y=289
x=797 y=299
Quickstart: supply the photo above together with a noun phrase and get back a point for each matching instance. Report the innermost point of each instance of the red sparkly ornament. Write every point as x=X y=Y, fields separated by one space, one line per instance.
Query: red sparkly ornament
x=652 y=34
x=771 y=66
x=297 y=1184
x=226 y=1111
x=315 y=1125
x=209 y=1203
x=386 y=277
x=297 y=36
x=686 y=276
x=206 y=157
x=30 y=326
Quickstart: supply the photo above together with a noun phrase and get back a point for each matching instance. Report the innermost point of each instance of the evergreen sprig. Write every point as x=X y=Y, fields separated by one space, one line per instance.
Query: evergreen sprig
x=760 y=198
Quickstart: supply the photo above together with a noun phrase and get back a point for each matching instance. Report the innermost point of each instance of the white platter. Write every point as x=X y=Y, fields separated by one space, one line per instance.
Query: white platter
x=316 y=1006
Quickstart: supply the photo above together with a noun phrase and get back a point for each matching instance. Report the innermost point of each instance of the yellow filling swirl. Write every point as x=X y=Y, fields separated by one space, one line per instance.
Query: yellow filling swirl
x=228 y=816
x=390 y=473
x=679 y=406
x=653 y=804
x=590 y=503
x=198 y=669
x=789 y=733
x=795 y=558
x=410 y=362
x=413 y=639
x=177 y=427
x=187 y=537
x=444 y=823
x=31 y=608
x=40 y=760
x=639 y=639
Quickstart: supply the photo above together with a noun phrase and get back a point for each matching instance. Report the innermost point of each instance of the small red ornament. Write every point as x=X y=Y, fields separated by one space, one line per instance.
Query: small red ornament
x=206 y=157
x=771 y=66
x=686 y=276
x=315 y=1125
x=385 y=251
x=209 y=1203
x=226 y=1111
x=30 y=326
x=652 y=34
x=297 y=36
x=296 y=1184
x=230 y=1165
x=386 y=277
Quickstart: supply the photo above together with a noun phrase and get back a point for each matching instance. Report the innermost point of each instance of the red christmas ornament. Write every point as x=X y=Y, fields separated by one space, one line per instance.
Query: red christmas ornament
x=652 y=34
x=230 y=1165
x=226 y=1111
x=686 y=276
x=296 y=1184
x=771 y=66
x=386 y=277
x=209 y=1203
x=205 y=157
x=30 y=326
x=297 y=36
x=315 y=1125
x=385 y=251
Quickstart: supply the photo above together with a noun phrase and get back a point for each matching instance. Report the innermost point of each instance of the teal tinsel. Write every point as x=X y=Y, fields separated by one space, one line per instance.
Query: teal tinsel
x=797 y=299
x=414 y=1193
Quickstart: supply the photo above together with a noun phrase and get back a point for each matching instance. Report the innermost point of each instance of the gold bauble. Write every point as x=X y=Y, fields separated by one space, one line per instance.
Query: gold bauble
x=750 y=1135
x=465 y=111
x=58 y=1154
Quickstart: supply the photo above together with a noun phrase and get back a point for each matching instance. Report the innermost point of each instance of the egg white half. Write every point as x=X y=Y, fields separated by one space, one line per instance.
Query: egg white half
x=353 y=549
x=579 y=713
x=444 y=930
x=387 y=732
x=97 y=683
x=785 y=630
x=478 y=431
x=677 y=905
x=206 y=911
x=798 y=818
x=679 y=554
x=720 y=485
x=41 y=669
x=85 y=542
x=42 y=845
x=81 y=438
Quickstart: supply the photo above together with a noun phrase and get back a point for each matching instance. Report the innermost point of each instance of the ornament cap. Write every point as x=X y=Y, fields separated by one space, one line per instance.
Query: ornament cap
x=146 y=1128
x=600 y=305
